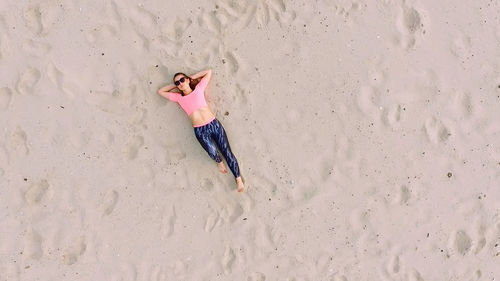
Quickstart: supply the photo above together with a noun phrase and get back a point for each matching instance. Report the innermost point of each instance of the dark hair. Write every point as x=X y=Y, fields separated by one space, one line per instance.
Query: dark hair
x=192 y=82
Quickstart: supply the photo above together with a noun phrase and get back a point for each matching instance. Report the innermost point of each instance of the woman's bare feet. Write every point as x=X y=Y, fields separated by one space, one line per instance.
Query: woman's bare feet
x=222 y=167
x=239 y=182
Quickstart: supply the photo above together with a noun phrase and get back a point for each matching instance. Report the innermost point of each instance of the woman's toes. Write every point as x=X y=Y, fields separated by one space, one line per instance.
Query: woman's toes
x=241 y=186
x=222 y=167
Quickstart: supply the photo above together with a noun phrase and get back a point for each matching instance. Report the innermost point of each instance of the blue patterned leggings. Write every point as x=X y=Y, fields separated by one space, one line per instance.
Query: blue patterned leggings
x=212 y=136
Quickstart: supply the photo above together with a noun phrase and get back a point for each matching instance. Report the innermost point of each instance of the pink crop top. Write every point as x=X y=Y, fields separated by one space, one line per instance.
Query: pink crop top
x=194 y=101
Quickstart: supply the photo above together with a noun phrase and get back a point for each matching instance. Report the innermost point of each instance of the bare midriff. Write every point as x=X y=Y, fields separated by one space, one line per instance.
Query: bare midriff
x=201 y=116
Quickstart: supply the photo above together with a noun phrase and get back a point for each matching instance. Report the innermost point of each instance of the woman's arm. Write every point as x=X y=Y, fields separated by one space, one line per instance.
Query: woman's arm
x=205 y=74
x=164 y=90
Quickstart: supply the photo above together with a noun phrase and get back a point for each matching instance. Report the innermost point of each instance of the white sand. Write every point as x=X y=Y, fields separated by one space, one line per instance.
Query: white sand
x=368 y=133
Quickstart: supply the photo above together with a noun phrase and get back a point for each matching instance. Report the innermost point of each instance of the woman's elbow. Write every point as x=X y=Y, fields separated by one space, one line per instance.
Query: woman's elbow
x=162 y=94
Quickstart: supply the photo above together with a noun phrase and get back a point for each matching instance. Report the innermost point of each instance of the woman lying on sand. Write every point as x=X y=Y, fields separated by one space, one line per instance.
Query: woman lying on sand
x=207 y=128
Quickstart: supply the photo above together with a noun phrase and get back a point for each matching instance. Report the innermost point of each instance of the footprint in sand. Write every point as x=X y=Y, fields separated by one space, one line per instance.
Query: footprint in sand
x=212 y=221
x=303 y=188
x=233 y=16
x=33 y=245
x=265 y=11
x=214 y=53
x=480 y=240
x=347 y=8
x=33 y=19
x=395 y=270
x=393 y=266
x=339 y=277
x=108 y=203
x=403 y=195
x=3 y=45
x=392 y=115
x=207 y=184
x=117 y=102
x=127 y=271
x=476 y=275
x=200 y=59
x=158 y=272
x=39 y=18
x=230 y=63
x=261 y=235
x=17 y=142
x=227 y=260
x=5 y=97
x=139 y=118
x=359 y=219
x=460 y=243
x=410 y=25
x=175 y=31
x=238 y=99
x=214 y=21
x=51 y=13
x=414 y=275
x=481 y=243
x=231 y=212
x=435 y=130
x=60 y=81
x=168 y=222
x=174 y=156
x=180 y=269
x=462 y=104
x=256 y=276
x=229 y=16
x=368 y=99
x=131 y=149
x=5 y=39
x=27 y=81
x=36 y=192
x=262 y=14
x=110 y=28
x=74 y=252
x=461 y=47
x=106 y=138
x=55 y=76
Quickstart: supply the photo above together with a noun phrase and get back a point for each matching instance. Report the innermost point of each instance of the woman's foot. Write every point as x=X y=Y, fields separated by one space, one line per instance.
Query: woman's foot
x=222 y=167
x=239 y=183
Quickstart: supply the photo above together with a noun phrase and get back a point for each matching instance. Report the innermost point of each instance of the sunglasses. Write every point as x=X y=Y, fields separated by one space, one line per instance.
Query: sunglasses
x=178 y=82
